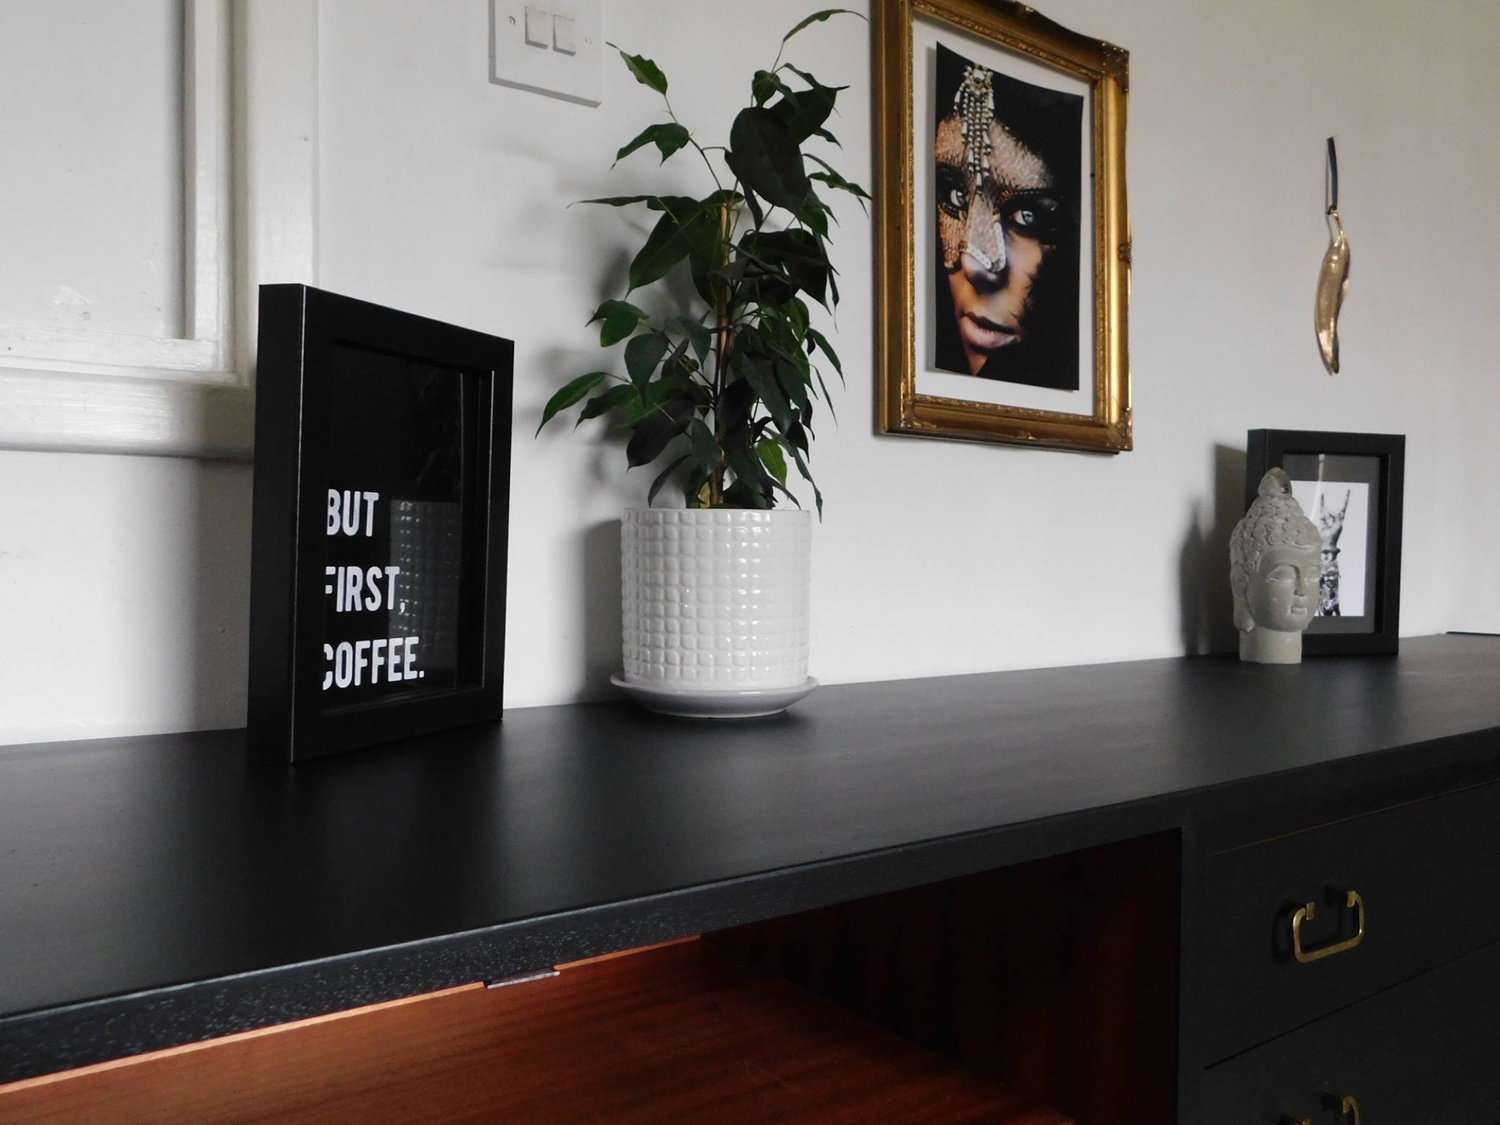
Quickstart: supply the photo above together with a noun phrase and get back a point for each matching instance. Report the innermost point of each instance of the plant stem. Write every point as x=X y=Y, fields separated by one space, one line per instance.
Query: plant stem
x=702 y=152
x=724 y=322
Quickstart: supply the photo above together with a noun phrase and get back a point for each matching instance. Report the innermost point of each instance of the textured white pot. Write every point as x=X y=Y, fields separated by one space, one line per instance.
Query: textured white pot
x=715 y=599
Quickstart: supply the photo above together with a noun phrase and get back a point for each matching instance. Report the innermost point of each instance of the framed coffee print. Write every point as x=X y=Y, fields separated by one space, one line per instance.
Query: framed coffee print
x=378 y=551
x=1350 y=486
x=1003 y=247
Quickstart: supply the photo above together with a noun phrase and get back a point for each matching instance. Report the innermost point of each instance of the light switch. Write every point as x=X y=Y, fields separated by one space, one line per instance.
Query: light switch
x=553 y=47
x=536 y=26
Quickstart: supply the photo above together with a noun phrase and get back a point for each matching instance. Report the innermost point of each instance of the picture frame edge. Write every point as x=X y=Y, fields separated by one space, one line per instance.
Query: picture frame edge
x=1109 y=428
x=279 y=725
x=1265 y=448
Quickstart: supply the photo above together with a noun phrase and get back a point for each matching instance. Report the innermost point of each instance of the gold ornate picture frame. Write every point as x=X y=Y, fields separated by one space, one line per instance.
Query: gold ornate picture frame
x=1003 y=242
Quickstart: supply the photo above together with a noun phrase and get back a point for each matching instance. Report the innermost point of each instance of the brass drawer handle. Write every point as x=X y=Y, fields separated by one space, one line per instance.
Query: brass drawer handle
x=1347 y=1107
x=1306 y=913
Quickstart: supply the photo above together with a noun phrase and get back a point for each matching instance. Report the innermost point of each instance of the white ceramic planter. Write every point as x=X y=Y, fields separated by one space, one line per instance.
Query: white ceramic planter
x=715 y=600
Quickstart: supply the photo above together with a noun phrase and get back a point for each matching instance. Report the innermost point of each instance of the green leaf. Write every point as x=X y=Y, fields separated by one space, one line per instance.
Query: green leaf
x=735 y=403
x=834 y=180
x=643 y=355
x=570 y=393
x=814 y=216
x=741 y=494
x=678 y=360
x=826 y=396
x=646 y=72
x=805 y=111
x=807 y=476
x=670 y=393
x=748 y=470
x=765 y=85
x=706 y=452
x=816 y=337
x=707 y=252
x=818 y=17
x=668 y=138
x=656 y=430
x=793 y=380
x=759 y=374
x=764 y=155
x=610 y=307
x=697 y=335
x=761 y=281
x=674 y=237
x=796 y=255
x=796 y=315
x=667 y=388
x=678 y=205
x=757 y=212
x=620 y=200
x=661 y=478
x=620 y=320
x=772 y=458
x=611 y=399
x=811 y=80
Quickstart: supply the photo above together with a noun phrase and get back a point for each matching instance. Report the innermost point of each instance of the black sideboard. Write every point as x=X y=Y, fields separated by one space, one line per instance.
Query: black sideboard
x=164 y=890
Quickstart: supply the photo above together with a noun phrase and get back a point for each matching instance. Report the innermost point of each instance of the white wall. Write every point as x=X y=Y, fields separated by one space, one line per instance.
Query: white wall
x=123 y=585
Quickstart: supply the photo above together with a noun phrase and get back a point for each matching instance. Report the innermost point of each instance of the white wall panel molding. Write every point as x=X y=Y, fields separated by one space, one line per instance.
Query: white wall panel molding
x=248 y=199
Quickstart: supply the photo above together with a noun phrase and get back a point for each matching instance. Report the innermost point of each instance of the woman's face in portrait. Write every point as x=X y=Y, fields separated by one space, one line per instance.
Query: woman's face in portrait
x=996 y=233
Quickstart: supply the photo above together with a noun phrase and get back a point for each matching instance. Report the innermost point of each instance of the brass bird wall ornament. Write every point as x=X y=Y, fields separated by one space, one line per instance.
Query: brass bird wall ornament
x=1333 y=277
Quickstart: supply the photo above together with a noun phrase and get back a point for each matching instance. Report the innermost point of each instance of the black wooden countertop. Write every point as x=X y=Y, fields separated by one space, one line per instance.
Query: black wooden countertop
x=161 y=890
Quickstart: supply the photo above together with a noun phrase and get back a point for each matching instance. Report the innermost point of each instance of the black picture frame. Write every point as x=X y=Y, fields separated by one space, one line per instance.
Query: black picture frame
x=351 y=395
x=1369 y=470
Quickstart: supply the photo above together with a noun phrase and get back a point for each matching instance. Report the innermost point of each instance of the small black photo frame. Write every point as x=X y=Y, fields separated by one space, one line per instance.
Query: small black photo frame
x=1350 y=486
x=381 y=509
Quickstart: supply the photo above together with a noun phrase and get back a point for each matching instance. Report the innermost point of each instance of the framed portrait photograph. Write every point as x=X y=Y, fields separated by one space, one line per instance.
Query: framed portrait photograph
x=1003 y=246
x=378 y=549
x=1350 y=486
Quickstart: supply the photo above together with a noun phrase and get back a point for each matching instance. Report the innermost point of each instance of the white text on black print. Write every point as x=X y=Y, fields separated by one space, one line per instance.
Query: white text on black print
x=384 y=660
x=357 y=588
x=350 y=510
x=364 y=589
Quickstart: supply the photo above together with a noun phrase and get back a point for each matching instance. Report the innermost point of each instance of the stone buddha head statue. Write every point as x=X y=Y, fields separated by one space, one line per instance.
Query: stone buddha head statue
x=1275 y=559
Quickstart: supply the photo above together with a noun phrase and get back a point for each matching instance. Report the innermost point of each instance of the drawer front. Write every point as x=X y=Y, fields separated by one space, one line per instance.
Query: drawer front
x=1422 y=1053
x=1426 y=885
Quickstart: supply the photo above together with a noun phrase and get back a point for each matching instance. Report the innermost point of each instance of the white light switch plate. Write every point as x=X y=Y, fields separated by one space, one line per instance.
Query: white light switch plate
x=575 y=76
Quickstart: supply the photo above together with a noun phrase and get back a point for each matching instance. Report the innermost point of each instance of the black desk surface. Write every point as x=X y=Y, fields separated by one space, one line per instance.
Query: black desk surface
x=160 y=890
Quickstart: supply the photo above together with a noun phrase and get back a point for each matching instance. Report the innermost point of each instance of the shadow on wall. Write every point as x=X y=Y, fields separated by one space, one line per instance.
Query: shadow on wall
x=600 y=583
x=219 y=596
x=1203 y=566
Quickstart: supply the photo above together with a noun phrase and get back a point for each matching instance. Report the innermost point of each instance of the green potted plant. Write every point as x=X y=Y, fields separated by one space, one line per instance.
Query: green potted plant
x=720 y=393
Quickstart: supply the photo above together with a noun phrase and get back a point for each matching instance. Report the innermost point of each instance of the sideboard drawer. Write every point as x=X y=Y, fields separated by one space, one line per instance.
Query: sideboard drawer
x=1423 y=881
x=1422 y=1053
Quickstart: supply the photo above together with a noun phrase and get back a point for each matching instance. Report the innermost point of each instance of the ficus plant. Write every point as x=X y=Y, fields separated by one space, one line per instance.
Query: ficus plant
x=722 y=392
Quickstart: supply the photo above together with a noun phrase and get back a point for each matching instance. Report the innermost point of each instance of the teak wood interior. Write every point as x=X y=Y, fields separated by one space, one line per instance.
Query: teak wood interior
x=1056 y=977
x=986 y=998
x=675 y=1033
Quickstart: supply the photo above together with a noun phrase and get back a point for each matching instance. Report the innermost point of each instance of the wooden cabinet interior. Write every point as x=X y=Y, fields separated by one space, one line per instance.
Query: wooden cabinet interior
x=1056 y=977
x=674 y=1033
x=986 y=998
